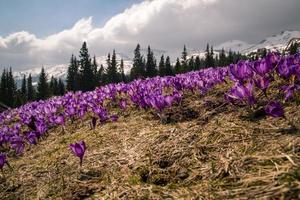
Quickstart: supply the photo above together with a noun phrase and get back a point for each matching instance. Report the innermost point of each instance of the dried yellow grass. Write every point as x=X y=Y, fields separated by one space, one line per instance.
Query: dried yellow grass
x=207 y=150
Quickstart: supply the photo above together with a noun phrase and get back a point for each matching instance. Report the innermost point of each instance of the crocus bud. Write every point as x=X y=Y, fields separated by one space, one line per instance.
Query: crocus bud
x=78 y=150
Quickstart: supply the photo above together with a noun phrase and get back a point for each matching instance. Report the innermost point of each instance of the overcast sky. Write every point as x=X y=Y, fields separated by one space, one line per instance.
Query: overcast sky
x=36 y=32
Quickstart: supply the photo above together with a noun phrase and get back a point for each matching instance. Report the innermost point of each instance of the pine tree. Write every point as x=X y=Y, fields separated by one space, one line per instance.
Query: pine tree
x=101 y=75
x=53 y=86
x=222 y=58
x=43 y=87
x=24 y=89
x=294 y=48
x=191 y=64
x=177 y=67
x=184 y=64
x=72 y=76
x=112 y=72
x=207 y=57
x=30 y=89
x=169 y=70
x=150 y=64
x=122 y=73
x=212 y=59
x=230 y=58
x=3 y=87
x=162 y=66
x=18 y=99
x=263 y=53
x=87 y=81
x=137 y=70
x=11 y=88
x=95 y=70
x=197 y=63
x=61 y=87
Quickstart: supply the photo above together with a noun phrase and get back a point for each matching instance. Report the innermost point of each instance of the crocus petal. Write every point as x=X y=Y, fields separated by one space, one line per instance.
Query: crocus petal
x=274 y=109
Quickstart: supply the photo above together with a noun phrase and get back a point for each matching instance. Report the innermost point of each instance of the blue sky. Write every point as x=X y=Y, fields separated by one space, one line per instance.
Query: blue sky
x=45 y=17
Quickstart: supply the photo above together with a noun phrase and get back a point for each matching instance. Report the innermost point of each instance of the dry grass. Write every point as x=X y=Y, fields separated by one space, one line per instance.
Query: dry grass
x=207 y=150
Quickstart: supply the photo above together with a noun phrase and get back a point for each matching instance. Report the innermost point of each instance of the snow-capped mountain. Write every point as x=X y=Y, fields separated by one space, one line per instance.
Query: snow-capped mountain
x=273 y=43
x=234 y=45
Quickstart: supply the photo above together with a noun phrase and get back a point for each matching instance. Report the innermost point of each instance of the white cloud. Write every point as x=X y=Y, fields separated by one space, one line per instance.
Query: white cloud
x=164 y=24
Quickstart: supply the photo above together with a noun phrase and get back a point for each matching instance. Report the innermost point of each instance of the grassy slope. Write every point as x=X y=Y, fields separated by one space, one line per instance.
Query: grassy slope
x=207 y=151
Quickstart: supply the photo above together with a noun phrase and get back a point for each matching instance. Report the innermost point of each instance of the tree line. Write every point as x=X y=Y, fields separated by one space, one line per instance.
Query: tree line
x=12 y=97
x=84 y=73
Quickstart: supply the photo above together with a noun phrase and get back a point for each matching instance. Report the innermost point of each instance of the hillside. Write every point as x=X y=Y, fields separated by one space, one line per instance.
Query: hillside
x=207 y=150
x=217 y=133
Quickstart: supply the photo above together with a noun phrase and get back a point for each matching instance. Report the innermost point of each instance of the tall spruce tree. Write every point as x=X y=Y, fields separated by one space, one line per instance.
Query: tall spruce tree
x=30 y=89
x=43 y=87
x=72 y=76
x=138 y=67
x=24 y=89
x=18 y=99
x=184 y=64
x=169 y=70
x=191 y=64
x=162 y=66
x=11 y=88
x=101 y=75
x=150 y=64
x=197 y=63
x=222 y=58
x=112 y=71
x=294 y=48
x=177 y=66
x=122 y=72
x=207 y=56
x=95 y=71
x=230 y=58
x=87 y=81
x=61 y=87
x=3 y=87
x=212 y=57
x=53 y=86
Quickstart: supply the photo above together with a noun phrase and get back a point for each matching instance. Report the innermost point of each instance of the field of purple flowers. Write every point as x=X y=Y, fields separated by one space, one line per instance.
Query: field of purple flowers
x=162 y=137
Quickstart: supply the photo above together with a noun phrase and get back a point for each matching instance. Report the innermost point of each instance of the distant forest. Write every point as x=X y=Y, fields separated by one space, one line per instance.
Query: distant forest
x=84 y=74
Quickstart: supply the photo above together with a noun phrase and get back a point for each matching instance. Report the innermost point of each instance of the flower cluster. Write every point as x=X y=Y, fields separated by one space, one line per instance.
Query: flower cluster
x=251 y=77
x=29 y=124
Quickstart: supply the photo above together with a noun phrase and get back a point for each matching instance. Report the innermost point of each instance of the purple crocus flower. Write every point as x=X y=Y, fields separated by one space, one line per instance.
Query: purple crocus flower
x=289 y=91
x=41 y=128
x=241 y=71
x=169 y=100
x=31 y=137
x=283 y=69
x=295 y=70
x=123 y=104
x=274 y=109
x=114 y=118
x=2 y=160
x=78 y=150
x=17 y=143
x=241 y=93
x=262 y=83
x=262 y=67
x=60 y=119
